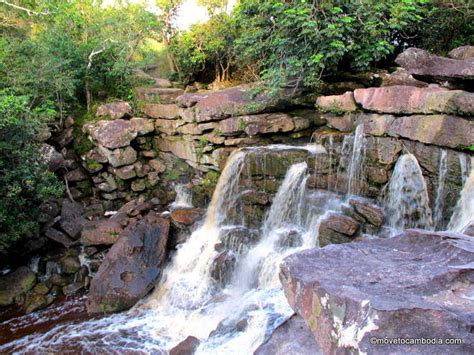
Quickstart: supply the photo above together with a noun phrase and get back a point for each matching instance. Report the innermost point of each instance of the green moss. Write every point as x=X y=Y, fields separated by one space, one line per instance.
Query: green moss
x=93 y=165
x=171 y=175
x=242 y=125
x=210 y=179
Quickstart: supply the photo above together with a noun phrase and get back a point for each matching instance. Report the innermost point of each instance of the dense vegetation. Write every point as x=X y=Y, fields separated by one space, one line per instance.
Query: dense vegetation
x=58 y=57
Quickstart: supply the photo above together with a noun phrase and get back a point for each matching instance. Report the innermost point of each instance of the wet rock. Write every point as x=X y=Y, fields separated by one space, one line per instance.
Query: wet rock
x=336 y=229
x=411 y=286
x=445 y=131
x=337 y=103
x=14 y=285
x=371 y=213
x=292 y=337
x=427 y=66
x=187 y=216
x=132 y=266
x=135 y=207
x=59 y=237
x=51 y=157
x=222 y=266
x=114 y=110
x=252 y=197
x=462 y=53
x=72 y=221
x=344 y=123
x=409 y=100
x=237 y=239
x=58 y=280
x=112 y=134
x=142 y=125
x=187 y=347
x=73 y=288
x=69 y=264
x=35 y=302
x=402 y=77
x=290 y=239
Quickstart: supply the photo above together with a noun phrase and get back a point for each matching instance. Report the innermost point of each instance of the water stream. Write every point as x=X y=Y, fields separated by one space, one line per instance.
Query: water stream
x=464 y=212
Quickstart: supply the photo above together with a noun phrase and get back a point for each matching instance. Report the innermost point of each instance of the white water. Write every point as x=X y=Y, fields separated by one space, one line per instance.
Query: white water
x=357 y=162
x=184 y=197
x=407 y=202
x=188 y=301
x=439 y=202
x=464 y=212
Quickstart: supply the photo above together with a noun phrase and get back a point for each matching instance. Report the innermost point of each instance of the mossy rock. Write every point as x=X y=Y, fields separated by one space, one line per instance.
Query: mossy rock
x=14 y=285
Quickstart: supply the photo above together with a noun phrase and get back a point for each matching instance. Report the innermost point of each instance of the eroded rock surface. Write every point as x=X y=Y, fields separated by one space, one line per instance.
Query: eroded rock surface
x=415 y=285
x=132 y=266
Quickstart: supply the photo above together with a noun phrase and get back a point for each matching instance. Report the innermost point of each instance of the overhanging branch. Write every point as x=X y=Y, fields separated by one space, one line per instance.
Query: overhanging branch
x=28 y=11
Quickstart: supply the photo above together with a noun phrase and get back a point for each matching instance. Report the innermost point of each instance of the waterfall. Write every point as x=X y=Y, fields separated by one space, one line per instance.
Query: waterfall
x=463 y=162
x=439 y=202
x=464 y=212
x=233 y=317
x=407 y=202
x=357 y=161
x=184 y=198
x=351 y=161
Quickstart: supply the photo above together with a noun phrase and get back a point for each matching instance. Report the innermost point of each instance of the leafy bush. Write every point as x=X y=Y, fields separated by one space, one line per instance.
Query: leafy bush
x=25 y=181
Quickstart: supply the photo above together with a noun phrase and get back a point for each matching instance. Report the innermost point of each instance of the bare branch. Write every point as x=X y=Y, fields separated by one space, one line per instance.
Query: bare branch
x=28 y=11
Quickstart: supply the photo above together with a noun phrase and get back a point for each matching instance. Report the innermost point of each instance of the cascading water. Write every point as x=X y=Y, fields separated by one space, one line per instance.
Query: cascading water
x=439 y=202
x=184 y=198
x=357 y=161
x=464 y=163
x=464 y=211
x=407 y=201
x=232 y=318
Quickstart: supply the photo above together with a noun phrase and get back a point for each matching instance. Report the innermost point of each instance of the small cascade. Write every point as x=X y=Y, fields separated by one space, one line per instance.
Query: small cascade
x=350 y=170
x=465 y=167
x=184 y=197
x=407 y=202
x=439 y=202
x=464 y=212
x=357 y=161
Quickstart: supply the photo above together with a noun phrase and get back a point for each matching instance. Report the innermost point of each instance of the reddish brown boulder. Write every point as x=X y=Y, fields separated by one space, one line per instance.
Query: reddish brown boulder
x=425 y=65
x=187 y=216
x=410 y=99
x=371 y=213
x=114 y=110
x=292 y=337
x=235 y=101
x=401 y=77
x=132 y=266
x=461 y=53
x=336 y=229
x=337 y=103
x=72 y=221
x=59 y=237
x=356 y=296
x=112 y=134
x=103 y=232
x=187 y=347
x=166 y=111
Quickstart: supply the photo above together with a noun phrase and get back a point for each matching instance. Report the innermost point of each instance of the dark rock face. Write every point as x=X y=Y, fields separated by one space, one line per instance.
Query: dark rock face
x=132 y=266
x=337 y=228
x=72 y=221
x=415 y=285
x=187 y=347
x=15 y=285
x=223 y=266
x=292 y=337
x=425 y=65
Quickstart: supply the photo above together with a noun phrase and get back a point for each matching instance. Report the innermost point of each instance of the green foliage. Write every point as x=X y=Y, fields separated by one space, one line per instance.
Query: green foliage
x=25 y=181
x=210 y=179
x=303 y=40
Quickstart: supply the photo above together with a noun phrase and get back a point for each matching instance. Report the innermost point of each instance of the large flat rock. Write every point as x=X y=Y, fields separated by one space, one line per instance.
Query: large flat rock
x=425 y=65
x=416 y=285
x=411 y=100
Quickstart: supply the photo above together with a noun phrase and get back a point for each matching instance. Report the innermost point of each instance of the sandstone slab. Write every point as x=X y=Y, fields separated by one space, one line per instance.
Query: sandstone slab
x=132 y=266
x=114 y=110
x=415 y=285
x=337 y=103
x=462 y=53
x=112 y=134
x=413 y=100
x=166 y=111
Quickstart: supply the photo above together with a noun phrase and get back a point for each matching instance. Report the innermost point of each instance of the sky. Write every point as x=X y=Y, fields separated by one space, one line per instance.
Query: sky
x=189 y=13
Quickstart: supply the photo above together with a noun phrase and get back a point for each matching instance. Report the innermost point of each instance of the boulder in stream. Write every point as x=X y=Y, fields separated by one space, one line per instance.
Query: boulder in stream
x=132 y=266
x=356 y=297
